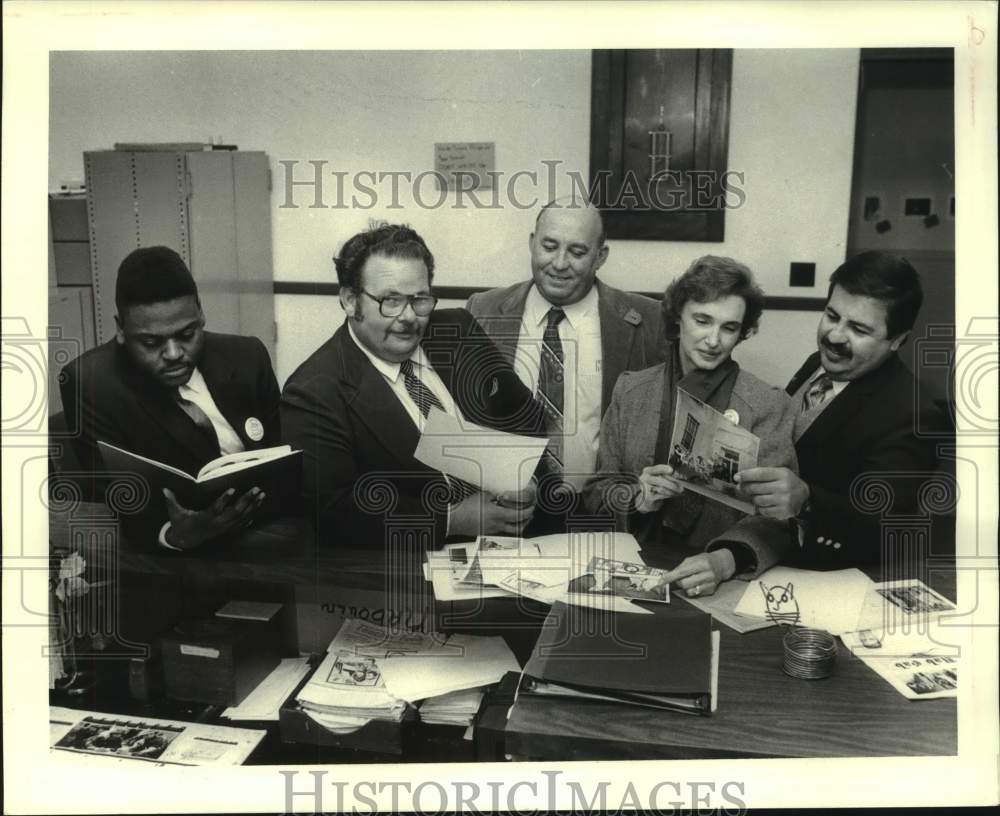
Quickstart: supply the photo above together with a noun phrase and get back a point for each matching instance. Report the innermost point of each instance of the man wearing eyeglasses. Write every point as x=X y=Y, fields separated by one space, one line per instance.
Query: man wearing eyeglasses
x=358 y=405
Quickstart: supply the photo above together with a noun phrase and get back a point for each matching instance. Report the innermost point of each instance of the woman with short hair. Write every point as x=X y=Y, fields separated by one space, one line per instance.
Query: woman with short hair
x=708 y=311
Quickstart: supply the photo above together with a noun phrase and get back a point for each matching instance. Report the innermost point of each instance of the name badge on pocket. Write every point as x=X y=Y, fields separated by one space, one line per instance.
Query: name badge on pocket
x=254 y=428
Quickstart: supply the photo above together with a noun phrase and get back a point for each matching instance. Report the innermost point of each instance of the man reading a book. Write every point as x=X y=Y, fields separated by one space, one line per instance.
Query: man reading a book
x=357 y=407
x=169 y=391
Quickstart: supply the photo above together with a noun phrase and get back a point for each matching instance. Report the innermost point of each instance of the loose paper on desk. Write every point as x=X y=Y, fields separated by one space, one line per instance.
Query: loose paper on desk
x=902 y=604
x=491 y=460
x=821 y=600
x=96 y=737
x=544 y=568
x=474 y=661
x=919 y=662
x=721 y=606
x=265 y=701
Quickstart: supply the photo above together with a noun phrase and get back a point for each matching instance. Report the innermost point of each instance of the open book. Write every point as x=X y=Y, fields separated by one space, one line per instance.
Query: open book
x=274 y=470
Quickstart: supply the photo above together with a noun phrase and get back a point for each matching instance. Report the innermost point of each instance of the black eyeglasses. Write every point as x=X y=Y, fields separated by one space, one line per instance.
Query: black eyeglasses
x=395 y=305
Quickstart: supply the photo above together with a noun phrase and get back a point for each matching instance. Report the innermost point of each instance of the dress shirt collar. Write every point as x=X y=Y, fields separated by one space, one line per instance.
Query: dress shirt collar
x=536 y=308
x=838 y=385
x=388 y=370
x=196 y=383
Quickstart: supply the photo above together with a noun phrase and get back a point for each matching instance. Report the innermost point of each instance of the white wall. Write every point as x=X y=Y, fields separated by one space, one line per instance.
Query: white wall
x=791 y=133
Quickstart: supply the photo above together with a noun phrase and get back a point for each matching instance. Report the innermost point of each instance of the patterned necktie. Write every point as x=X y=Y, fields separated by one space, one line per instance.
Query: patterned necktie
x=551 y=374
x=419 y=393
x=817 y=393
x=425 y=400
x=199 y=417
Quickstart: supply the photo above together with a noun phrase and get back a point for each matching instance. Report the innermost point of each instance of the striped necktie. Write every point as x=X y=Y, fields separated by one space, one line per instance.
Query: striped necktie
x=425 y=400
x=419 y=393
x=818 y=392
x=551 y=374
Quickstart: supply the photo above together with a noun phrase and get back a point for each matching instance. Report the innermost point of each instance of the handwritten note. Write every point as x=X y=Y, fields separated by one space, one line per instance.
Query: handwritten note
x=465 y=165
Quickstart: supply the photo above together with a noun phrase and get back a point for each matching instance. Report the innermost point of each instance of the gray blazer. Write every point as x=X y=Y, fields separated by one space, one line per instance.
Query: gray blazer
x=628 y=444
x=631 y=328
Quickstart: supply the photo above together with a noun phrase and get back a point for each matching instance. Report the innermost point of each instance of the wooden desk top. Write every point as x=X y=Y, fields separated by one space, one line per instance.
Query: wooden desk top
x=762 y=712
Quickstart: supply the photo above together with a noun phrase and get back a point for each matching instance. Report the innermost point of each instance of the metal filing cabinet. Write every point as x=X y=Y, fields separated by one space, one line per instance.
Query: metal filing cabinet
x=213 y=207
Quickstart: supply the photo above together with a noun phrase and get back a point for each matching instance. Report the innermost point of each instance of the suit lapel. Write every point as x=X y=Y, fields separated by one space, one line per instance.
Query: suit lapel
x=844 y=407
x=808 y=367
x=619 y=322
x=166 y=415
x=372 y=400
x=505 y=327
x=231 y=395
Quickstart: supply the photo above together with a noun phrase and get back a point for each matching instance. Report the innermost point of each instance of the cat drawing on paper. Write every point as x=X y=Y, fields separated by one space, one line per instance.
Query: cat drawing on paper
x=782 y=608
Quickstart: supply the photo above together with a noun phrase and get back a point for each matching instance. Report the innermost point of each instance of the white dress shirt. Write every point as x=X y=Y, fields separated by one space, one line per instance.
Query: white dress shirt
x=580 y=334
x=397 y=382
x=196 y=390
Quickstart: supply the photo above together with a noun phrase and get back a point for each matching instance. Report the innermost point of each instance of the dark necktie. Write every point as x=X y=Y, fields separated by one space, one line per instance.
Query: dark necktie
x=551 y=374
x=425 y=400
x=419 y=393
x=200 y=418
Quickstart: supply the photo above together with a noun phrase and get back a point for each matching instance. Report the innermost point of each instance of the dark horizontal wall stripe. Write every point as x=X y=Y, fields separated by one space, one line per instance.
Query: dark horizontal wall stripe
x=781 y=304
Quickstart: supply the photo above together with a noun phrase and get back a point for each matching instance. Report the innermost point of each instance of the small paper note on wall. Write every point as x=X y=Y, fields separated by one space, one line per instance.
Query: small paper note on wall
x=465 y=165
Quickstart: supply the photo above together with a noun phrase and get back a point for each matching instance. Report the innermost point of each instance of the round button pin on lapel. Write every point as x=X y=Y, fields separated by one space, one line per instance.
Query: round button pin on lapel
x=254 y=428
x=732 y=415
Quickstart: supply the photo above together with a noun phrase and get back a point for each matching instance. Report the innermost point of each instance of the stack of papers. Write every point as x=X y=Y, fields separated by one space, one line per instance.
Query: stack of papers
x=454 y=708
x=372 y=673
x=347 y=690
x=467 y=662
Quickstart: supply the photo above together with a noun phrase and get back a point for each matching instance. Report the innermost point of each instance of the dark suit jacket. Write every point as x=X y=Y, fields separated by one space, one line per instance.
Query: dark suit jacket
x=106 y=398
x=862 y=459
x=359 y=474
x=631 y=328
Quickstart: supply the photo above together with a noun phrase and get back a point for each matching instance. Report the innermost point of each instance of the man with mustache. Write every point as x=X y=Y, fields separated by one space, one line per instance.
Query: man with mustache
x=859 y=410
x=569 y=337
x=166 y=389
x=358 y=405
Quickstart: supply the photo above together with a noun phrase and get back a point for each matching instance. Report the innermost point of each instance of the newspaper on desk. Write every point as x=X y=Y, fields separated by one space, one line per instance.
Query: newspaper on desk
x=96 y=737
x=372 y=673
x=901 y=638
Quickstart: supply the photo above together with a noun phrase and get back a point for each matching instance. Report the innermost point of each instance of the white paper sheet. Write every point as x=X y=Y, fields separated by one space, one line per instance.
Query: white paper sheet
x=920 y=665
x=491 y=460
x=721 y=606
x=476 y=661
x=264 y=702
x=821 y=600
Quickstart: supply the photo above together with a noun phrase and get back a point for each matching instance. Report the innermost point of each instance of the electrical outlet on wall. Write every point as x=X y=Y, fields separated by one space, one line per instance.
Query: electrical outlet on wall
x=802 y=274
